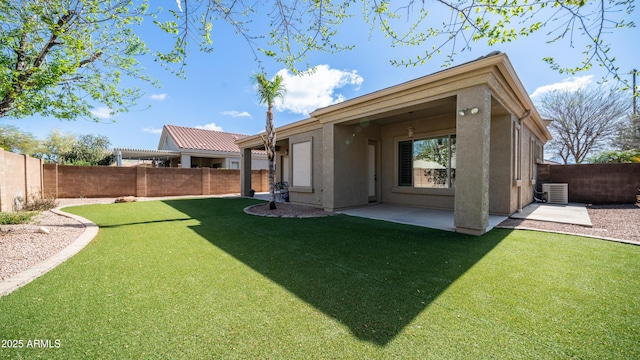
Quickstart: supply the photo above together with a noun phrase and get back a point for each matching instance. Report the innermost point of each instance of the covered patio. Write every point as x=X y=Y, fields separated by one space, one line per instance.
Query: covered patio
x=465 y=140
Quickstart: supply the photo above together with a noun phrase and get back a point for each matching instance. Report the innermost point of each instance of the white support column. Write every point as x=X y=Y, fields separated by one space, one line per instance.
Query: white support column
x=185 y=161
x=473 y=130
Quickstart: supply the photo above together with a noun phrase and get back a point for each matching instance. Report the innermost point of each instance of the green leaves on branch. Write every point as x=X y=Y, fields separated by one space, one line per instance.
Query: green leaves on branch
x=287 y=31
x=616 y=156
x=581 y=24
x=58 y=147
x=61 y=58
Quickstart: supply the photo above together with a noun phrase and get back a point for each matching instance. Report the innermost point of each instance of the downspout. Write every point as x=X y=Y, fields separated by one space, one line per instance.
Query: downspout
x=520 y=119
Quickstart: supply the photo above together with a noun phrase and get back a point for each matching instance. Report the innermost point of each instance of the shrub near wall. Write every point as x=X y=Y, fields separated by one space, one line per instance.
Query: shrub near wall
x=595 y=183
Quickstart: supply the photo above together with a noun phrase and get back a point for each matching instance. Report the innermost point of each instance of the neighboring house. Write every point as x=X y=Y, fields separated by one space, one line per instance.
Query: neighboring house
x=466 y=139
x=186 y=147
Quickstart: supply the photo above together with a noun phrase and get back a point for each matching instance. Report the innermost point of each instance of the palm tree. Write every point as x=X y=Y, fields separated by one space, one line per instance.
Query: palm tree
x=269 y=91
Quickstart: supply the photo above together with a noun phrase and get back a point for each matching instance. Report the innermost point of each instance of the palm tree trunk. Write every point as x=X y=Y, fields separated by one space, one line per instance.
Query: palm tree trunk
x=272 y=193
x=270 y=147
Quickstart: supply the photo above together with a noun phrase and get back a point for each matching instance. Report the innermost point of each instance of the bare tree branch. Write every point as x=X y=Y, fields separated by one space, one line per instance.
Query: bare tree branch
x=584 y=121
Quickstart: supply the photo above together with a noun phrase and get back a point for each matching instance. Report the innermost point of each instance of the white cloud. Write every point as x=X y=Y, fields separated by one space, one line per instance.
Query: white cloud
x=152 y=130
x=235 y=113
x=101 y=112
x=210 y=126
x=314 y=90
x=158 y=97
x=570 y=84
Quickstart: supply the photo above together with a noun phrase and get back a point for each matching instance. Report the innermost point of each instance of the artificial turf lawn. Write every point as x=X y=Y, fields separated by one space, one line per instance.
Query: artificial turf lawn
x=200 y=279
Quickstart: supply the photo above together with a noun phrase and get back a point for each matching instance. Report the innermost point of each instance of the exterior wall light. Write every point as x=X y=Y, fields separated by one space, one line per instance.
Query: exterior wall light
x=472 y=111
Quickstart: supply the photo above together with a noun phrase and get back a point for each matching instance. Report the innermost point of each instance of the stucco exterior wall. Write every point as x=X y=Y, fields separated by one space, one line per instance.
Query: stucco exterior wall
x=501 y=188
x=351 y=180
x=471 y=211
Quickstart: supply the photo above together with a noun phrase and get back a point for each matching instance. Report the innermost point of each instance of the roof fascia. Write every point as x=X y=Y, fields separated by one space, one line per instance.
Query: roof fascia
x=255 y=141
x=209 y=153
x=433 y=80
x=509 y=74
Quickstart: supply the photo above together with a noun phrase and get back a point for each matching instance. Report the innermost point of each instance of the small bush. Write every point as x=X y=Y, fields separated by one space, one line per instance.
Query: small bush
x=37 y=203
x=14 y=218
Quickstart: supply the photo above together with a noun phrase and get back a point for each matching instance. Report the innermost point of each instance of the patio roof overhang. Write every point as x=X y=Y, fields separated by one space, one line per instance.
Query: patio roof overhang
x=432 y=95
x=255 y=142
x=138 y=154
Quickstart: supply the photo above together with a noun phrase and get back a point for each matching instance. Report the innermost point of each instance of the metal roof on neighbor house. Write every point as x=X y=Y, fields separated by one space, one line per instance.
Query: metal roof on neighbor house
x=201 y=139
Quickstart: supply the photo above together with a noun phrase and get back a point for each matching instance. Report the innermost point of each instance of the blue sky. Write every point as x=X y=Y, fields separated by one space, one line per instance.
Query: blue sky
x=217 y=93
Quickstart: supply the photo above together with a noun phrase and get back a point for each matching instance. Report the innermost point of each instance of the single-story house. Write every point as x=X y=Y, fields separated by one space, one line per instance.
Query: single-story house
x=466 y=139
x=187 y=147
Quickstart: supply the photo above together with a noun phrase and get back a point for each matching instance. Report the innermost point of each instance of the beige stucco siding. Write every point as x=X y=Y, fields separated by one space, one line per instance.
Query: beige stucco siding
x=501 y=190
x=350 y=173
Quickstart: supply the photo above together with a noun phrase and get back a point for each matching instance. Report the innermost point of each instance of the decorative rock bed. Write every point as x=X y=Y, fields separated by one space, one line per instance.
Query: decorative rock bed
x=286 y=210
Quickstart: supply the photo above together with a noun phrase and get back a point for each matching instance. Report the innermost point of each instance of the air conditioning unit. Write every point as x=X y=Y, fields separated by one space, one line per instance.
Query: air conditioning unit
x=556 y=193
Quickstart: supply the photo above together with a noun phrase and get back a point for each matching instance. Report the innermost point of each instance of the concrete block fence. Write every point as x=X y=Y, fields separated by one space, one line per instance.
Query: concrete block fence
x=595 y=183
x=20 y=178
x=107 y=181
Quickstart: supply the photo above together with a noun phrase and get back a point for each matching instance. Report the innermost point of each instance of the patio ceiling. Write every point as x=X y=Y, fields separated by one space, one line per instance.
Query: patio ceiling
x=437 y=108
x=431 y=109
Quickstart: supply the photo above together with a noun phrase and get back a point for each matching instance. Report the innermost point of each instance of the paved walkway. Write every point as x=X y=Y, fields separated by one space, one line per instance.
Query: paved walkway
x=572 y=213
x=430 y=218
x=443 y=219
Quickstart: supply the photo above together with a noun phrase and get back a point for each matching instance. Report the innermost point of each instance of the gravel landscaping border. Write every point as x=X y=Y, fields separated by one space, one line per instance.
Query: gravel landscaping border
x=617 y=222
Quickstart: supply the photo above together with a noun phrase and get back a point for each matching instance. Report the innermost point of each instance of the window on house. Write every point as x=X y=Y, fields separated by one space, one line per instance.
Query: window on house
x=235 y=165
x=427 y=163
x=301 y=164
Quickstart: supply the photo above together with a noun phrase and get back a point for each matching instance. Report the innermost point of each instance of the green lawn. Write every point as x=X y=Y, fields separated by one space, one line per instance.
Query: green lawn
x=200 y=279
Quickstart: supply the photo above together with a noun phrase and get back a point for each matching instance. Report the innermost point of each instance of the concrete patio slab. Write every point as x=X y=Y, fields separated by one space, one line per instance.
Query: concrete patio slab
x=572 y=213
x=430 y=218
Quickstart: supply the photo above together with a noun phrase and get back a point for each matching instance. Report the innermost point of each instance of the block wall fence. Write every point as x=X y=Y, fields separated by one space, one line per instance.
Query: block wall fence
x=63 y=181
x=20 y=178
x=595 y=183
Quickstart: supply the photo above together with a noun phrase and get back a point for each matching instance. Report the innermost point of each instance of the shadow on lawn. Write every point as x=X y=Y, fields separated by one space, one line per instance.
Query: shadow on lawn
x=374 y=277
x=143 y=222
